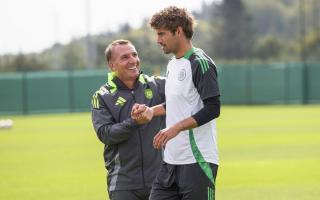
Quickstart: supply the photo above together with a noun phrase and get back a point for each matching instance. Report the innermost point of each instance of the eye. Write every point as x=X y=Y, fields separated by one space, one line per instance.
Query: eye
x=124 y=57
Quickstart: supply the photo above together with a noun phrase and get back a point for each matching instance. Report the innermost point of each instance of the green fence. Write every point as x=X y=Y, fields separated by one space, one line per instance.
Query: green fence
x=283 y=83
x=71 y=91
x=46 y=92
x=11 y=93
x=313 y=83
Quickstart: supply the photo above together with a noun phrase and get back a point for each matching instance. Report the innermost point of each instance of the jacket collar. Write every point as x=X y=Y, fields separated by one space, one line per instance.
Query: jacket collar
x=115 y=83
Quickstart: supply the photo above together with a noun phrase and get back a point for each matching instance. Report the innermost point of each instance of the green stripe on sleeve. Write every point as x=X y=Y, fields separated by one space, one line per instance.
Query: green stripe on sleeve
x=204 y=63
x=201 y=64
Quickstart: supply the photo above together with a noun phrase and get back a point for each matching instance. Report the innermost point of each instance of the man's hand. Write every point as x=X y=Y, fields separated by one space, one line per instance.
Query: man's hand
x=161 y=139
x=137 y=110
x=141 y=113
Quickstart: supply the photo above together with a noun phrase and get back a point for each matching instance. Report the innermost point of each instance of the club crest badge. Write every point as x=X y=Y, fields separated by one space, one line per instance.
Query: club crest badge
x=182 y=75
x=148 y=93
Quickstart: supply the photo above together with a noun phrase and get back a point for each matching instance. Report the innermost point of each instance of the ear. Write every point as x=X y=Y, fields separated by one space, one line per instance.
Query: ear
x=179 y=31
x=111 y=66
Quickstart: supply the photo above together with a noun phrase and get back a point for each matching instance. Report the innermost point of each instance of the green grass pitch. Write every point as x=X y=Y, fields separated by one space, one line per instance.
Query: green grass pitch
x=266 y=153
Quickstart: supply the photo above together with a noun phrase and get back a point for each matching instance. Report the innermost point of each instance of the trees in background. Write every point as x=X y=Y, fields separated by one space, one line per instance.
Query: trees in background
x=235 y=37
x=229 y=31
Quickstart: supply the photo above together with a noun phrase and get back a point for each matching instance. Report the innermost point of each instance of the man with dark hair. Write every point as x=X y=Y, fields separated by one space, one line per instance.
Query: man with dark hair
x=131 y=161
x=192 y=103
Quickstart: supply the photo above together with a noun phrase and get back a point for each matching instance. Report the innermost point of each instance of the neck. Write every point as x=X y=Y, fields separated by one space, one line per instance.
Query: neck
x=184 y=47
x=129 y=83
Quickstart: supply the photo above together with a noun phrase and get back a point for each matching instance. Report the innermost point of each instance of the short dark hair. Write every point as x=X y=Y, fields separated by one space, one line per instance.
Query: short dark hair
x=108 y=51
x=171 y=18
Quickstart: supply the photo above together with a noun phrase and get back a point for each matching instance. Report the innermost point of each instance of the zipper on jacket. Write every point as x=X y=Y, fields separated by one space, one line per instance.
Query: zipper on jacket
x=141 y=146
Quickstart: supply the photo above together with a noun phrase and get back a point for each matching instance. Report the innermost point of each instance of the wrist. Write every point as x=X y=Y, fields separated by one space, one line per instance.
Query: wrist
x=152 y=112
x=179 y=126
x=133 y=123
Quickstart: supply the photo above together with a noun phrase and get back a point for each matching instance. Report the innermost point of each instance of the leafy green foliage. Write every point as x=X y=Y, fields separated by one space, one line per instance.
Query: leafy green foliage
x=238 y=31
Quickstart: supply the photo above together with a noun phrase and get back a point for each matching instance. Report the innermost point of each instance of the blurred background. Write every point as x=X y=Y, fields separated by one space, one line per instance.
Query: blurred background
x=52 y=61
x=266 y=51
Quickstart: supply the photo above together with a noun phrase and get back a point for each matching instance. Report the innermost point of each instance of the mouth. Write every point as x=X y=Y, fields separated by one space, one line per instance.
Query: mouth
x=163 y=47
x=133 y=68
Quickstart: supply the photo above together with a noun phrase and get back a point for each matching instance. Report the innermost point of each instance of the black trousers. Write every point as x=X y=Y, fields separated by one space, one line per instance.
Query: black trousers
x=183 y=182
x=142 y=194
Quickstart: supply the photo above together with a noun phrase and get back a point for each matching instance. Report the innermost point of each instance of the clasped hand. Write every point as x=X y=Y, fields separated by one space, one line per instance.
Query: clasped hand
x=141 y=113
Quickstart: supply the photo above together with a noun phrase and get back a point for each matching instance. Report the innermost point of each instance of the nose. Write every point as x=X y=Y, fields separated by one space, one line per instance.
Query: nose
x=133 y=59
x=159 y=40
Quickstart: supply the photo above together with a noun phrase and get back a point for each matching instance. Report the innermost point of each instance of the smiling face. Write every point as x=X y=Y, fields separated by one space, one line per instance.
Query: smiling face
x=125 y=62
x=167 y=40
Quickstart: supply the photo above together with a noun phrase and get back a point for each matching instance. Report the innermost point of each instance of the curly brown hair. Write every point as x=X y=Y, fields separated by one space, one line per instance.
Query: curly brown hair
x=171 y=18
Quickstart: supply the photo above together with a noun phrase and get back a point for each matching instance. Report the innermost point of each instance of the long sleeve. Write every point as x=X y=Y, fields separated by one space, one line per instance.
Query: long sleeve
x=108 y=131
x=210 y=111
x=160 y=83
x=205 y=79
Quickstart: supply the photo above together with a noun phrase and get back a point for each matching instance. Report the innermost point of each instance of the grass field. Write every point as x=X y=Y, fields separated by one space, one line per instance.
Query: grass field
x=266 y=153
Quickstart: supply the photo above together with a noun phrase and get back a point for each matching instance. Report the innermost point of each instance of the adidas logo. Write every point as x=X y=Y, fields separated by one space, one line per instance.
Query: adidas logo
x=120 y=101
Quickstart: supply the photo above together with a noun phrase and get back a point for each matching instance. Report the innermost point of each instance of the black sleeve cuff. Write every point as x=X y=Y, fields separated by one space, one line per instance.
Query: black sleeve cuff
x=131 y=123
x=210 y=111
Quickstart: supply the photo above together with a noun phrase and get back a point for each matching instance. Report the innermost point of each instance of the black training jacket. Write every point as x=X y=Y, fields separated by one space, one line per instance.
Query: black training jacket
x=130 y=158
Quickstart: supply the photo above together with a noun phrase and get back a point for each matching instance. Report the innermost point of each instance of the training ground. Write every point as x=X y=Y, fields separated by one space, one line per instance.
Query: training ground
x=266 y=153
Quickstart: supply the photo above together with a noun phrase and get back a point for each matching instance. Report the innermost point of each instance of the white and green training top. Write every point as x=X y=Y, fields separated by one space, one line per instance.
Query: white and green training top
x=190 y=80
